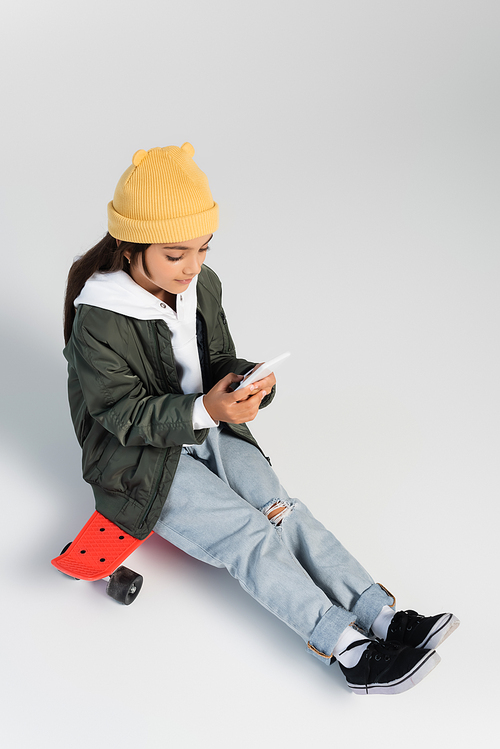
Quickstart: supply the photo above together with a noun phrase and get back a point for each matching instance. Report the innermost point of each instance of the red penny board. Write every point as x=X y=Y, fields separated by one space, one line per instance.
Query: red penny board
x=97 y=551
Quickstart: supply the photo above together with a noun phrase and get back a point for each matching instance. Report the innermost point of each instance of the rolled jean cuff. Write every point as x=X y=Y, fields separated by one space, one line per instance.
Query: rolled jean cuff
x=370 y=603
x=326 y=633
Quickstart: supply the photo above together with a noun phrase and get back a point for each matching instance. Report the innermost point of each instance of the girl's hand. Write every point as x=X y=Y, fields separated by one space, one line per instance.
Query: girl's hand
x=223 y=404
x=266 y=383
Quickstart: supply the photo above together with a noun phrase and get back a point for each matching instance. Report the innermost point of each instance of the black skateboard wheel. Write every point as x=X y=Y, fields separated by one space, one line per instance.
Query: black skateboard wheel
x=62 y=552
x=124 y=585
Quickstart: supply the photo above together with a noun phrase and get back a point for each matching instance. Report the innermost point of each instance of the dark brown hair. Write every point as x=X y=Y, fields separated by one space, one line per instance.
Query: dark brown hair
x=105 y=257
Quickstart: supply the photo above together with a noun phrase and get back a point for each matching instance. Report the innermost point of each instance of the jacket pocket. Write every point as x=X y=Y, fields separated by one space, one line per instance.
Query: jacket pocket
x=95 y=448
x=111 y=447
x=129 y=470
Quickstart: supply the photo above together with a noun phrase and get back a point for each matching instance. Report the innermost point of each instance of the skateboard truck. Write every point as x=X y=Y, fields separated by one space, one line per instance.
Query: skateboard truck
x=97 y=553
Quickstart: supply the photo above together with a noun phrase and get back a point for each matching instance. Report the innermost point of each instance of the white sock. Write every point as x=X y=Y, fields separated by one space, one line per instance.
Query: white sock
x=351 y=658
x=381 y=623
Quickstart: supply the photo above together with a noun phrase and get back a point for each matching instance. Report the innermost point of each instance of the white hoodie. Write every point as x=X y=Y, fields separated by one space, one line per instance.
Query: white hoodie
x=118 y=292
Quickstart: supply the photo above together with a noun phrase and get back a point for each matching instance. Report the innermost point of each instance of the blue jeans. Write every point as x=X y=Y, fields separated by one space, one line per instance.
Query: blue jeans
x=227 y=507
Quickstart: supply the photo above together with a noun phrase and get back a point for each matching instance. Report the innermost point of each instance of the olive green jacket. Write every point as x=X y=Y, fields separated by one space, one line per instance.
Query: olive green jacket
x=130 y=415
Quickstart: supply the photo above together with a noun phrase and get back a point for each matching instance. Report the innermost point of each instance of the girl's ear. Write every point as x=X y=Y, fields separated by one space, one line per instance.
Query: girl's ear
x=126 y=254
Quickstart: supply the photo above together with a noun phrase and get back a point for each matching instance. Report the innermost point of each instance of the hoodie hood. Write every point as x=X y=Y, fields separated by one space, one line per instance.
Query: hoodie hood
x=118 y=292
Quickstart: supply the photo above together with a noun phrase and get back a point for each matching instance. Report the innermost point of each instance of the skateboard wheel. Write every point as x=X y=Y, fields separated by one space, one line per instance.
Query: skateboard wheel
x=124 y=585
x=64 y=573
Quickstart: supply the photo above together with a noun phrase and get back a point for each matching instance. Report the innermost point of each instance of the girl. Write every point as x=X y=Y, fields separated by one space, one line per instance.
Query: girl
x=152 y=368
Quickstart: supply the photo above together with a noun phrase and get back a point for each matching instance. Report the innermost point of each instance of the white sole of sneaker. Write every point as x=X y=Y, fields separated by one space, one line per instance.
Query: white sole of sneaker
x=409 y=680
x=440 y=631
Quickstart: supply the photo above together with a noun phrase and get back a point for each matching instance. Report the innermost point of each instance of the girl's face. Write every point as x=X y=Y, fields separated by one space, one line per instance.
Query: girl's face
x=171 y=267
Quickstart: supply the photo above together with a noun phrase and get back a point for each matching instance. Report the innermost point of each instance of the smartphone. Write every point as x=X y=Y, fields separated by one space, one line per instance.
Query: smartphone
x=262 y=371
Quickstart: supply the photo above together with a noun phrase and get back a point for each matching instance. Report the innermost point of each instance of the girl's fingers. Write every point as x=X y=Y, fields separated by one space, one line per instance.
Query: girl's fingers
x=244 y=393
x=247 y=409
x=265 y=384
x=227 y=381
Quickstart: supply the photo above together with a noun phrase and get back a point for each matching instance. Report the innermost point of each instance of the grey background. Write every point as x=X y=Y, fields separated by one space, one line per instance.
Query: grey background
x=353 y=149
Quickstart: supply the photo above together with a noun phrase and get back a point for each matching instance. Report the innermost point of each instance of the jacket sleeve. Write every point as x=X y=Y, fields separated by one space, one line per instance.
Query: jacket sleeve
x=117 y=399
x=223 y=357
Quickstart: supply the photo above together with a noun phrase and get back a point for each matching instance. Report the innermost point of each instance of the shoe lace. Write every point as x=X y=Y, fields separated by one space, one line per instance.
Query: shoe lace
x=355 y=644
x=377 y=650
x=404 y=621
x=382 y=649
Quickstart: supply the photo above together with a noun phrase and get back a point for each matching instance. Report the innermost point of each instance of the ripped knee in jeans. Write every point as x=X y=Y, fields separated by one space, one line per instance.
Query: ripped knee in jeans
x=277 y=510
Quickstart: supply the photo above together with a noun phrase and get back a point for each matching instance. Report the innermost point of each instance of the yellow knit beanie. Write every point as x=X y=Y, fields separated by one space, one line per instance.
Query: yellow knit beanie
x=162 y=197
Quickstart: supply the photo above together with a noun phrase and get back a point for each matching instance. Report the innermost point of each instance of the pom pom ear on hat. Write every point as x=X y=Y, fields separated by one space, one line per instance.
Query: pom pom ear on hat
x=162 y=197
x=138 y=156
x=188 y=148
x=141 y=153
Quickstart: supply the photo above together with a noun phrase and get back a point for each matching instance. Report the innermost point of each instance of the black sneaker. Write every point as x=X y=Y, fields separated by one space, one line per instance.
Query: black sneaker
x=388 y=667
x=410 y=628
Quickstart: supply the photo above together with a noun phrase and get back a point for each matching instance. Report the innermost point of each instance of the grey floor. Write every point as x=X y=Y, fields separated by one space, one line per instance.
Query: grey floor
x=195 y=661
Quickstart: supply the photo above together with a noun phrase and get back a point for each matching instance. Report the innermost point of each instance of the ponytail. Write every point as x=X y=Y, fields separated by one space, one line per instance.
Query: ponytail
x=105 y=257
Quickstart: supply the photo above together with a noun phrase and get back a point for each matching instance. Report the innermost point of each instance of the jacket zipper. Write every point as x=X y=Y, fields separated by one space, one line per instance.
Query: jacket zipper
x=158 y=357
x=224 y=320
x=165 y=387
x=203 y=349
